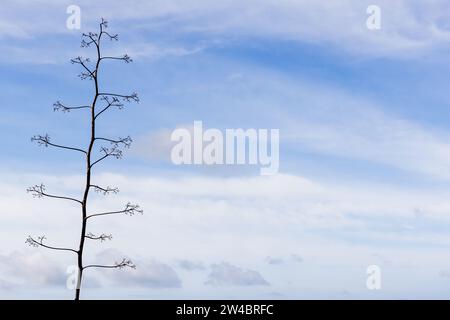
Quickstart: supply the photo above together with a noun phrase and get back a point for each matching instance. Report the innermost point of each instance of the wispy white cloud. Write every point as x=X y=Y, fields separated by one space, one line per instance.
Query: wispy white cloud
x=274 y=261
x=314 y=117
x=190 y=265
x=408 y=27
x=209 y=217
x=357 y=128
x=26 y=268
x=224 y=274
x=148 y=273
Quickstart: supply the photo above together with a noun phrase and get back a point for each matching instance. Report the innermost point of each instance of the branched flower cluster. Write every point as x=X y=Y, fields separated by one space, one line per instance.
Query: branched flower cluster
x=102 y=237
x=87 y=73
x=105 y=191
x=37 y=191
x=125 y=263
x=125 y=142
x=132 y=97
x=41 y=140
x=113 y=151
x=132 y=209
x=58 y=106
x=126 y=58
x=35 y=243
x=112 y=102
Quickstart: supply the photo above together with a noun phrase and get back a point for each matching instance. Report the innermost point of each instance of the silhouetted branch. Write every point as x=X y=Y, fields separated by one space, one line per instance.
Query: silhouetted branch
x=38 y=191
x=125 y=263
x=58 y=106
x=128 y=98
x=111 y=36
x=89 y=38
x=102 y=237
x=103 y=24
x=106 y=190
x=94 y=38
x=126 y=142
x=45 y=141
x=114 y=151
x=125 y=58
x=81 y=61
x=87 y=43
x=130 y=209
x=39 y=243
x=110 y=102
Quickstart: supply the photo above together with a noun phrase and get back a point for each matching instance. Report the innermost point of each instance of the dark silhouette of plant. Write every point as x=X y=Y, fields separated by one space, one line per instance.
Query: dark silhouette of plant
x=101 y=102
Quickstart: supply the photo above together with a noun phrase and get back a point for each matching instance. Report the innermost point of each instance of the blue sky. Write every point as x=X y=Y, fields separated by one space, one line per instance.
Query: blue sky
x=364 y=148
